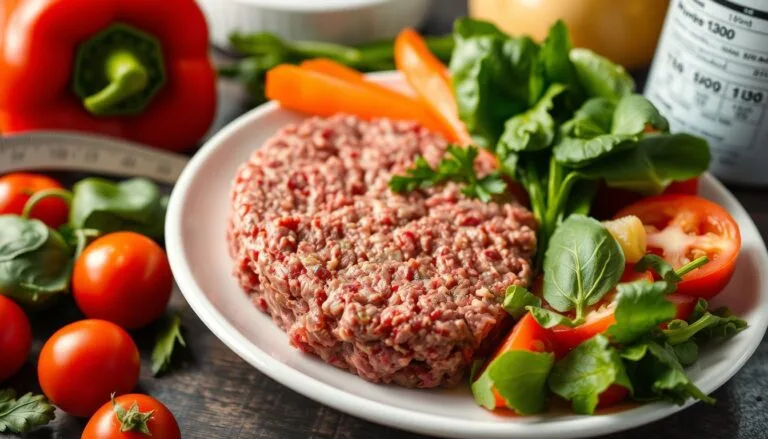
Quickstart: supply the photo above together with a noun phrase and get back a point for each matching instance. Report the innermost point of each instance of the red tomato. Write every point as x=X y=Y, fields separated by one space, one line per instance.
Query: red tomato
x=597 y=321
x=105 y=423
x=124 y=278
x=611 y=200
x=682 y=228
x=15 y=338
x=612 y=396
x=83 y=363
x=15 y=190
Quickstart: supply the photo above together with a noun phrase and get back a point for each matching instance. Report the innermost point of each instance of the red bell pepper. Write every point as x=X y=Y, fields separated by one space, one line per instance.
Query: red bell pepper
x=137 y=69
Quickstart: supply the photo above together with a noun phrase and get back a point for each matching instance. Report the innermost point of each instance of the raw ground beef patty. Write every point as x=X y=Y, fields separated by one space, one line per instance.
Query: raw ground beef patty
x=395 y=288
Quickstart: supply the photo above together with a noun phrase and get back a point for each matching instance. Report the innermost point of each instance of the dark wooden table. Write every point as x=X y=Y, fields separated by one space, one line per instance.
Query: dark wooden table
x=216 y=395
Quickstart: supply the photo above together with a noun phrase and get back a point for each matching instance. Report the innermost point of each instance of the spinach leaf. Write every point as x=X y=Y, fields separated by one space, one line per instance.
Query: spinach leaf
x=580 y=198
x=520 y=377
x=640 y=307
x=35 y=269
x=517 y=298
x=583 y=262
x=534 y=129
x=595 y=117
x=660 y=266
x=134 y=205
x=599 y=76
x=586 y=372
x=653 y=163
x=577 y=153
x=634 y=114
x=656 y=374
x=549 y=319
x=558 y=68
x=687 y=353
x=494 y=78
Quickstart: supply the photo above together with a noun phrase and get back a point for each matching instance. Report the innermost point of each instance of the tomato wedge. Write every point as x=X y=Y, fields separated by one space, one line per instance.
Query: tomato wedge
x=611 y=200
x=682 y=228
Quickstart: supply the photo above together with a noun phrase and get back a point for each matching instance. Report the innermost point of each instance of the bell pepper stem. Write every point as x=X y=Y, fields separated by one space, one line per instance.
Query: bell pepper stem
x=127 y=76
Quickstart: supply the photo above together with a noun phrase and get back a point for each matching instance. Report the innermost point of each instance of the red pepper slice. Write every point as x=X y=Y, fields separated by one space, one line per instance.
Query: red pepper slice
x=39 y=41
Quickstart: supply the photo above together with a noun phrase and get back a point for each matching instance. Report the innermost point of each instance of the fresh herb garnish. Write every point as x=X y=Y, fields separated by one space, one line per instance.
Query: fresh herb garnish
x=165 y=345
x=23 y=414
x=457 y=166
x=520 y=377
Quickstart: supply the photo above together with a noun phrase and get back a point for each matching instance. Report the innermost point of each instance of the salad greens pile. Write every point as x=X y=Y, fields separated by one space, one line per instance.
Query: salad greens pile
x=559 y=120
x=644 y=351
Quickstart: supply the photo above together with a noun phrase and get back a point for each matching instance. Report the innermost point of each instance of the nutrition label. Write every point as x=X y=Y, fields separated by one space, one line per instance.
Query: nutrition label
x=710 y=78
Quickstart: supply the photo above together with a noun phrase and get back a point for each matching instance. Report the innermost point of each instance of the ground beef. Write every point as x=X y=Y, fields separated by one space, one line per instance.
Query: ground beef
x=395 y=288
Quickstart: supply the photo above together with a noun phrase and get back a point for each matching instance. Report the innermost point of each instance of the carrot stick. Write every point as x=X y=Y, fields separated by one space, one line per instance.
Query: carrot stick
x=333 y=68
x=324 y=95
x=431 y=81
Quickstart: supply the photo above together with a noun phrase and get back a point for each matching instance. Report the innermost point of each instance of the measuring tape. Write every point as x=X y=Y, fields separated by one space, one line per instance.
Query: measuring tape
x=65 y=151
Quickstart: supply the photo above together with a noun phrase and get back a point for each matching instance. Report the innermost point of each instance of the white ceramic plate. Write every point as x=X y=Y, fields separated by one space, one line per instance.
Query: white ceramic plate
x=195 y=237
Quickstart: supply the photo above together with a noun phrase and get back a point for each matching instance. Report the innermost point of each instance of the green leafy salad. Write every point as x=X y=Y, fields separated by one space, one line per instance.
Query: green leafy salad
x=605 y=324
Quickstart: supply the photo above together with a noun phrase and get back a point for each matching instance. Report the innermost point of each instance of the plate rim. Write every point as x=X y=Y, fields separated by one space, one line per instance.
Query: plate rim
x=381 y=413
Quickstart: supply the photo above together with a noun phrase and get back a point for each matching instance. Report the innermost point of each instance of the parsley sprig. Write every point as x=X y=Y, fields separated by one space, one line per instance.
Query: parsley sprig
x=458 y=166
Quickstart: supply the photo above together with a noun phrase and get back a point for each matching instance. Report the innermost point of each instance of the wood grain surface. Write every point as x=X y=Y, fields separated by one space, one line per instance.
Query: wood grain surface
x=216 y=395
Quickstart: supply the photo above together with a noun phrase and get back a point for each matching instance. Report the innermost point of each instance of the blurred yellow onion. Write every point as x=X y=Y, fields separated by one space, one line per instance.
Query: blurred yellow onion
x=625 y=31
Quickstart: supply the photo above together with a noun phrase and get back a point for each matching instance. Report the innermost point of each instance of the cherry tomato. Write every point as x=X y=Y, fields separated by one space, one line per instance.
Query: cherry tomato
x=124 y=278
x=105 y=424
x=612 y=396
x=682 y=228
x=15 y=190
x=83 y=363
x=15 y=338
x=611 y=200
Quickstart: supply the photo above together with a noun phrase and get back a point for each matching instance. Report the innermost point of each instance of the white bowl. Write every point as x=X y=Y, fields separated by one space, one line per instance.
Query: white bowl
x=198 y=252
x=336 y=21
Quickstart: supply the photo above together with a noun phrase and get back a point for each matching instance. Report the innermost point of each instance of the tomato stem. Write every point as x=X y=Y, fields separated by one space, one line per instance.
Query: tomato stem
x=43 y=194
x=694 y=264
x=132 y=419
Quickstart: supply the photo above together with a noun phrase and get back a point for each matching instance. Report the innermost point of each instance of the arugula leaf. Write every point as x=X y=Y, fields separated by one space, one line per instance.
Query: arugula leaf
x=517 y=298
x=716 y=325
x=165 y=344
x=583 y=262
x=534 y=129
x=634 y=113
x=520 y=377
x=640 y=307
x=457 y=165
x=586 y=372
x=549 y=319
x=23 y=414
x=656 y=374
x=494 y=77
x=136 y=205
x=654 y=162
x=599 y=76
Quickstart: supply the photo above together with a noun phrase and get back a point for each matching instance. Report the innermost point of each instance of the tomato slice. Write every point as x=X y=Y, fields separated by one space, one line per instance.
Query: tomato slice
x=682 y=228
x=611 y=200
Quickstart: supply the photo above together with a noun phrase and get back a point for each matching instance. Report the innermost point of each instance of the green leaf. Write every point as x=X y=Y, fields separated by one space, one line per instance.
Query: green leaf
x=549 y=319
x=165 y=345
x=660 y=266
x=578 y=153
x=420 y=176
x=595 y=117
x=583 y=262
x=653 y=163
x=520 y=377
x=494 y=78
x=580 y=198
x=21 y=415
x=586 y=372
x=717 y=325
x=640 y=307
x=599 y=76
x=656 y=374
x=699 y=310
x=517 y=298
x=35 y=273
x=687 y=353
x=634 y=113
x=135 y=205
x=558 y=68
x=534 y=129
